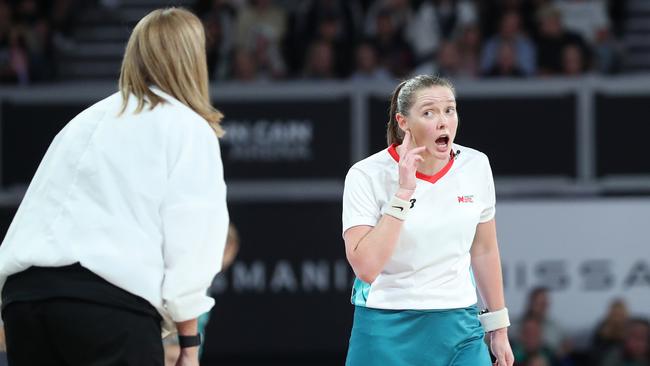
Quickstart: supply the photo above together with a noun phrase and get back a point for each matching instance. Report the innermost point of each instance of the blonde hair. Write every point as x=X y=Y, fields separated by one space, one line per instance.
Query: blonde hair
x=167 y=49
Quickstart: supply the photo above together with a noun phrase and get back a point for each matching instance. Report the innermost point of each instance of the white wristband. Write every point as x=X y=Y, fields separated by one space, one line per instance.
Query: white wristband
x=398 y=208
x=494 y=320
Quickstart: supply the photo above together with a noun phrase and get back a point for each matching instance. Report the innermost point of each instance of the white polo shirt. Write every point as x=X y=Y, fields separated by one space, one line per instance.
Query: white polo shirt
x=138 y=199
x=430 y=268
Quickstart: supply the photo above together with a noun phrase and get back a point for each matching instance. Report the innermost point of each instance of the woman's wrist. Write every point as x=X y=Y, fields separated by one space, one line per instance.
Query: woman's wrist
x=190 y=352
x=405 y=193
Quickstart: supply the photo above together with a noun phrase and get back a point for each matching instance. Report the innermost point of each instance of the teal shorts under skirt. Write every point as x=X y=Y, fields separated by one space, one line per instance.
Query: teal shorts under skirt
x=417 y=338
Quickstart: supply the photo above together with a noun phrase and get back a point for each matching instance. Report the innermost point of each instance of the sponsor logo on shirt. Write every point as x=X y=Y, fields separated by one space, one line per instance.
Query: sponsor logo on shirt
x=466 y=199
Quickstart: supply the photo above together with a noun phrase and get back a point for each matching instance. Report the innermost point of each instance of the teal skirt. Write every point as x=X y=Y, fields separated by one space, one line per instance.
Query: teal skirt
x=417 y=337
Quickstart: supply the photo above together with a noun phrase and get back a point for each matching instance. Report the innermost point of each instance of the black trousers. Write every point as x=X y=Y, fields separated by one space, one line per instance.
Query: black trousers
x=70 y=332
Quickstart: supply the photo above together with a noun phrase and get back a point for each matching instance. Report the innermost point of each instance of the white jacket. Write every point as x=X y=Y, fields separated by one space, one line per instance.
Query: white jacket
x=138 y=199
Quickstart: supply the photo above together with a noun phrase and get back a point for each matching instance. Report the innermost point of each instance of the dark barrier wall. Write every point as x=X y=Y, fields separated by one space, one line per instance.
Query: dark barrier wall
x=6 y=215
x=27 y=130
x=521 y=136
x=312 y=139
x=265 y=140
x=289 y=290
x=286 y=139
x=622 y=141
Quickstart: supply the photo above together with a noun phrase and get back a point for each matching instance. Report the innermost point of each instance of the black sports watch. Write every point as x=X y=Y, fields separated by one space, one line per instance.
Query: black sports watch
x=189 y=341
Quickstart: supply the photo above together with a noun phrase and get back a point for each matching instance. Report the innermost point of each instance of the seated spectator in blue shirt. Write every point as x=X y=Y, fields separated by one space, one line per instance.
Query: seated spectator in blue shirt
x=510 y=31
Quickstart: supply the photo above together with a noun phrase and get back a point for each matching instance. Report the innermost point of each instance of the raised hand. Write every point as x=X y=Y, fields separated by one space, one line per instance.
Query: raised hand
x=409 y=160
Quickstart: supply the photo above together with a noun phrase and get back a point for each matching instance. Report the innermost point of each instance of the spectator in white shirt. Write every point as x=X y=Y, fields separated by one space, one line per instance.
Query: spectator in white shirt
x=585 y=17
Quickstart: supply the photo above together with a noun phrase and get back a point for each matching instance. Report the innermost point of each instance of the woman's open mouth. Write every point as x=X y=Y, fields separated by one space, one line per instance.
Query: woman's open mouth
x=442 y=143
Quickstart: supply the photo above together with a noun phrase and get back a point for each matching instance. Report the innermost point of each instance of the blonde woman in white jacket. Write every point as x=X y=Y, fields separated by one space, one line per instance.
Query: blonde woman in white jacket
x=120 y=228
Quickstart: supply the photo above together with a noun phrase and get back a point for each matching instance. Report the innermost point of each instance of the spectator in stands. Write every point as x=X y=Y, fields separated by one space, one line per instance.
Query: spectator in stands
x=244 y=68
x=447 y=63
x=62 y=16
x=530 y=344
x=635 y=350
x=573 y=62
x=523 y=48
x=5 y=18
x=437 y=21
x=400 y=12
x=13 y=54
x=268 y=57
x=221 y=8
x=394 y=53
x=607 y=53
x=308 y=18
x=507 y=64
x=469 y=49
x=27 y=12
x=33 y=28
x=330 y=30
x=218 y=46
x=585 y=17
x=490 y=12
x=219 y=18
x=40 y=50
x=367 y=66
x=537 y=359
x=260 y=17
x=3 y=347
x=538 y=308
x=320 y=62
x=30 y=33
x=14 y=60
x=551 y=42
x=260 y=28
x=610 y=332
x=310 y=13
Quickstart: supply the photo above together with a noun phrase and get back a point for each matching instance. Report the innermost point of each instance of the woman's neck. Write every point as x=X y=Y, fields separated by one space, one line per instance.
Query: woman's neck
x=431 y=165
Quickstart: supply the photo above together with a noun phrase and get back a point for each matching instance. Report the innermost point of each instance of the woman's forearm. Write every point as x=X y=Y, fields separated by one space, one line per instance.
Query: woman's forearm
x=369 y=256
x=369 y=253
x=369 y=249
x=489 y=278
x=486 y=265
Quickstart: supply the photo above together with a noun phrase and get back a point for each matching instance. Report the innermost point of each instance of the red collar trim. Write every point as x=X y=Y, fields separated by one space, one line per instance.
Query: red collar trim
x=429 y=178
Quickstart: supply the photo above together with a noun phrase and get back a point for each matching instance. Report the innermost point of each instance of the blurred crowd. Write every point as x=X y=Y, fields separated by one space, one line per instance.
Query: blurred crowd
x=618 y=339
x=31 y=31
x=266 y=40
x=382 y=39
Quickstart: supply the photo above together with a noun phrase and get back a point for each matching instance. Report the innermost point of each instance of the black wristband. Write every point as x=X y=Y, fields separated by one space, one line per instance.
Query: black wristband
x=189 y=341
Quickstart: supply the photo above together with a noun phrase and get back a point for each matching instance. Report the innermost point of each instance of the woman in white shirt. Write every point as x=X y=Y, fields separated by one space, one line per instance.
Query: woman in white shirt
x=418 y=224
x=123 y=222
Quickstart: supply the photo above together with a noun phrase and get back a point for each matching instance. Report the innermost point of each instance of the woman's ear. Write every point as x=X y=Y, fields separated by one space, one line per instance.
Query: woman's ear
x=401 y=122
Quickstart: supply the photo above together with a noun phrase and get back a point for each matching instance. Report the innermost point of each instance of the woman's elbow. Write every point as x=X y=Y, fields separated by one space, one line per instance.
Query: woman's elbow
x=362 y=269
x=367 y=277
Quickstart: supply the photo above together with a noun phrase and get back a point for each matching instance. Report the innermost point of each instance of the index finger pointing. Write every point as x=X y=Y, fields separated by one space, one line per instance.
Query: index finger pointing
x=406 y=141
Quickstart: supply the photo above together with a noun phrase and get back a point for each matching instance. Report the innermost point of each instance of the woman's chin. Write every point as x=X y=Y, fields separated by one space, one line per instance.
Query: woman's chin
x=440 y=152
